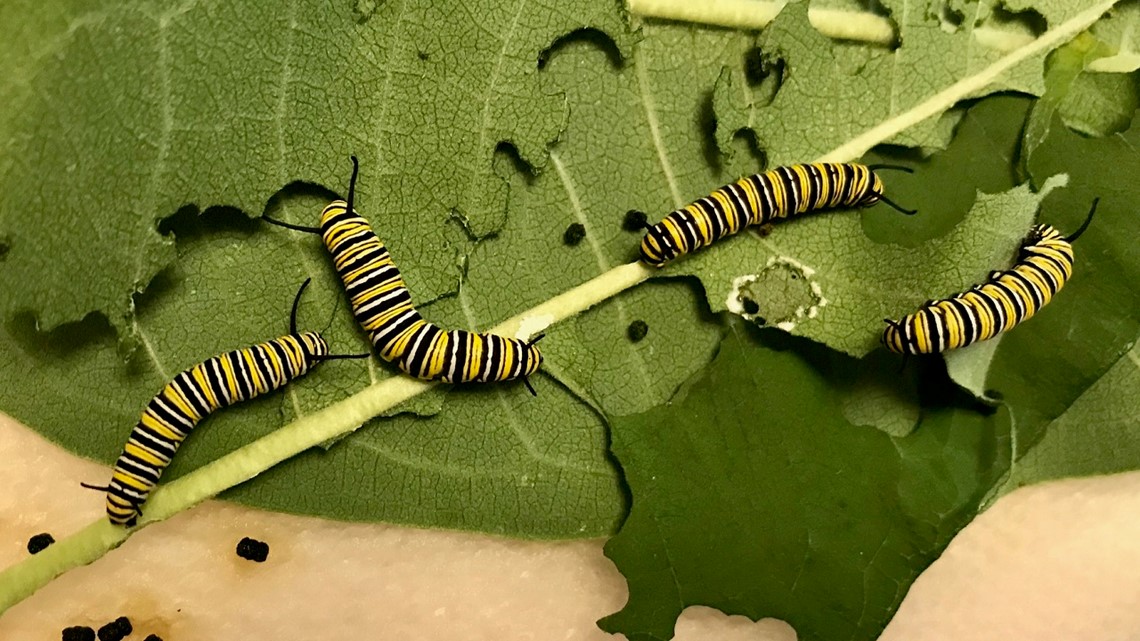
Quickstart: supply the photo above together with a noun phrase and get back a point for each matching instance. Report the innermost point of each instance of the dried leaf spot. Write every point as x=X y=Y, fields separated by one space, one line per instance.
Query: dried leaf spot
x=783 y=294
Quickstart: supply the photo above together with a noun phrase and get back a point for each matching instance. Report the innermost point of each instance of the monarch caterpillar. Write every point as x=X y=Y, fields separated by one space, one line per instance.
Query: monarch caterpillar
x=760 y=198
x=1045 y=262
x=197 y=392
x=383 y=306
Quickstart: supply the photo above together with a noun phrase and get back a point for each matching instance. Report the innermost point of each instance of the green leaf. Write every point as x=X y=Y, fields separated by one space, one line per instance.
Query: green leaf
x=1117 y=30
x=770 y=504
x=1100 y=104
x=849 y=283
x=1065 y=66
x=120 y=114
x=1098 y=434
x=480 y=206
x=1100 y=101
x=882 y=82
x=1045 y=365
x=875 y=394
x=535 y=467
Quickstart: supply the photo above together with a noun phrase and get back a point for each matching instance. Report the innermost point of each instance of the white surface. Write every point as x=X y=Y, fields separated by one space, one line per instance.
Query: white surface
x=1060 y=561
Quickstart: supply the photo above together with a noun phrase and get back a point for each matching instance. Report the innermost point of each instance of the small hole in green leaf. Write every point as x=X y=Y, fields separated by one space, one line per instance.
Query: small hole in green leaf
x=637 y=330
x=574 y=234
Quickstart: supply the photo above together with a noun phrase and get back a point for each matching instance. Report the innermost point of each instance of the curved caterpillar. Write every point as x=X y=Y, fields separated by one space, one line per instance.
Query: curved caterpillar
x=1045 y=263
x=383 y=306
x=196 y=393
x=758 y=199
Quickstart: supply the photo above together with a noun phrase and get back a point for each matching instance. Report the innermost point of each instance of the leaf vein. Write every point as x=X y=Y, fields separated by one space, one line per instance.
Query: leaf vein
x=655 y=129
x=603 y=265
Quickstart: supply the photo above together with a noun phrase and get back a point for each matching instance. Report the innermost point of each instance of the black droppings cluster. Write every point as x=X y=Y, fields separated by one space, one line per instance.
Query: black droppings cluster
x=78 y=633
x=750 y=306
x=152 y=637
x=252 y=549
x=637 y=330
x=635 y=220
x=116 y=630
x=39 y=542
x=574 y=234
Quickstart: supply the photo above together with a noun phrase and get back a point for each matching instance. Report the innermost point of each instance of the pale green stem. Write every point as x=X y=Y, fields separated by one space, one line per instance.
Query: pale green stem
x=757 y=14
x=22 y=579
x=90 y=543
x=970 y=86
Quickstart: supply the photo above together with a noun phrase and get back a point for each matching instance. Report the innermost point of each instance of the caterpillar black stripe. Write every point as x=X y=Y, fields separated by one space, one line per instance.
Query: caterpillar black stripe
x=758 y=199
x=383 y=306
x=1045 y=263
x=193 y=395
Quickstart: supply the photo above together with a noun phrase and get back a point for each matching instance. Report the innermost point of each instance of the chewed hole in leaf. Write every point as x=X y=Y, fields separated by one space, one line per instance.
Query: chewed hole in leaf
x=760 y=66
x=1028 y=22
x=877 y=8
x=746 y=144
x=573 y=234
x=507 y=160
x=637 y=330
x=706 y=119
x=60 y=343
x=189 y=222
x=595 y=38
x=783 y=294
x=949 y=18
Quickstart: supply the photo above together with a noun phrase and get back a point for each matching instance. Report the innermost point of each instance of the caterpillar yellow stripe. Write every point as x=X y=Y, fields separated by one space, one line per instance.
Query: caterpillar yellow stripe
x=192 y=395
x=761 y=198
x=1007 y=298
x=383 y=306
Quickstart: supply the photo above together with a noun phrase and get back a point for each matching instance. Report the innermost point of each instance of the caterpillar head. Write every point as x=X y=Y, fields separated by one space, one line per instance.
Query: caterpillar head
x=656 y=249
x=329 y=215
x=124 y=501
x=123 y=509
x=532 y=358
x=1039 y=233
x=892 y=337
x=874 y=191
x=314 y=345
